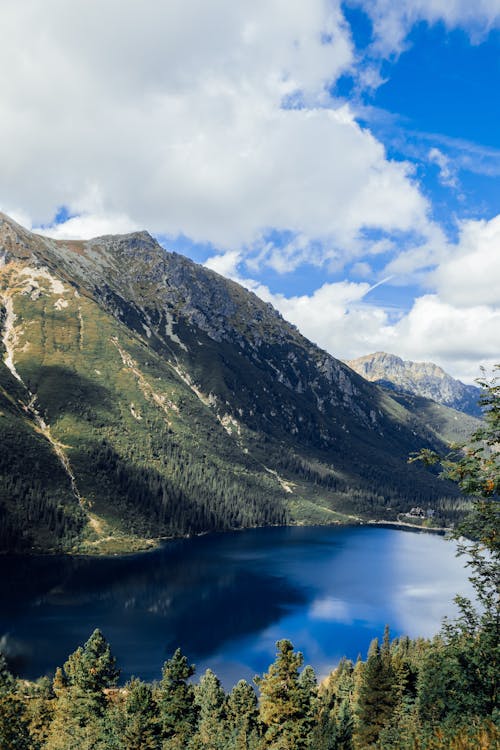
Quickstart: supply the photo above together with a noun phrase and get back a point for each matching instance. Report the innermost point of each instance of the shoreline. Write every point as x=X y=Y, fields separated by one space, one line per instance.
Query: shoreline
x=155 y=544
x=441 y=530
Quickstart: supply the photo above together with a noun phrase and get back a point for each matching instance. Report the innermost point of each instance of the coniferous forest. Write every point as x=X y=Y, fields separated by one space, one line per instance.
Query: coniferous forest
x=439 y=694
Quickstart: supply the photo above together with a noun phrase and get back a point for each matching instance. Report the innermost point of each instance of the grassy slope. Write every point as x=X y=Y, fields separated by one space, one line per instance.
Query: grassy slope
x=150 y=453
x=450 y=425
x=95 y=383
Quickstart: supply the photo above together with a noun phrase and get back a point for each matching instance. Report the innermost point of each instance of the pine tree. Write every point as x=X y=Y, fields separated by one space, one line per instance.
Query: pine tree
x=141 y=730
x=79 y=713
x=14 y=732
x=243 y=717
x=212 y=731
x=175 y=698
x=375 y=699
x=283 y=704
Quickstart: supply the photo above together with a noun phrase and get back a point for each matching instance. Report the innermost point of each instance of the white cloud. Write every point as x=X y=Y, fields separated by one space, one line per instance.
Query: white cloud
x=170 y=117
x=392 y=21
x=470 y=276
x=226 y=263
x=330 y=609
x=447 y=174
x=362 y=270
x=339 y=320
x=457 y=326
x=335 y=316
x=458 y=338
x=171 y=114
x=409 y=265
x=87 y=226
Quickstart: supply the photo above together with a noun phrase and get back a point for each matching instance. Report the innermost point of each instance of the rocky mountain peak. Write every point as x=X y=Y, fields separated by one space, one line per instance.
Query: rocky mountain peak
x=167 y=399
x=418 y=378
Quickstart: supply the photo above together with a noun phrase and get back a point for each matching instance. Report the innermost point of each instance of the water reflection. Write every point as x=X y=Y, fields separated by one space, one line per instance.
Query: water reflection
x=226 y=599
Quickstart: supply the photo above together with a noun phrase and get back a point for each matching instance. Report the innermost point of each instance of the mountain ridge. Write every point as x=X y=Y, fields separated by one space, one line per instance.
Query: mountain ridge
x=424 y=379
x=180 y=403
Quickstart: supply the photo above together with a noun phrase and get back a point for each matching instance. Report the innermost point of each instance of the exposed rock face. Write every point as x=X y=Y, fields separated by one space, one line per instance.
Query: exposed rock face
x=168 y=399
x=418 y=378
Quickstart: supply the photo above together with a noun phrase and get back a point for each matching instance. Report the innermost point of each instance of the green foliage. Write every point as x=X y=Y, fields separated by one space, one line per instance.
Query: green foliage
x=376 y=696
x=243 y=718
x=175 y=699
x=469 y=652
x=286 y=700
x=407 y=695
x=211 y=730
x=183 y=405
x=79 y=721
x=92 y=668
x=141 y=726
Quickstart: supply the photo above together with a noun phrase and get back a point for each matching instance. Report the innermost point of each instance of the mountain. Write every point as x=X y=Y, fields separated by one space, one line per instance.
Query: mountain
x=144 y=396
x=420 y=379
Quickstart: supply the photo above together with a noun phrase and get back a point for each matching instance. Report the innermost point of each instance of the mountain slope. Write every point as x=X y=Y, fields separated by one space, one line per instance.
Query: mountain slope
x=420 y=379
x=155 y=397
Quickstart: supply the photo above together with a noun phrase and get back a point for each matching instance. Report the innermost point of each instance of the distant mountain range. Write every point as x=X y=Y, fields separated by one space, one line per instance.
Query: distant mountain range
x=144 y=396
x=419 y=379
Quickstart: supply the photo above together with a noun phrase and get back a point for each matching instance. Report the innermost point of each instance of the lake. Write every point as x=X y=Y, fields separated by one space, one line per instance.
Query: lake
x=225 y=599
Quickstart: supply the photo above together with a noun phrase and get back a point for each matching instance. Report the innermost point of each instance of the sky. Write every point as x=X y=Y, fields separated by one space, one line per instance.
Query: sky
x=339 y=159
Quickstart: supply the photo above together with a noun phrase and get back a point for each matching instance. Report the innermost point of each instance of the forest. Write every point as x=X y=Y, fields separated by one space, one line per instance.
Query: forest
x=438 y=694
x=434 y=695
x=118 y=431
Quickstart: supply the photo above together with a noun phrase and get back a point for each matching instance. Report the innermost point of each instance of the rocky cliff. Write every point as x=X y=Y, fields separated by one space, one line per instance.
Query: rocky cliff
x=142 y=395
x=418 y=378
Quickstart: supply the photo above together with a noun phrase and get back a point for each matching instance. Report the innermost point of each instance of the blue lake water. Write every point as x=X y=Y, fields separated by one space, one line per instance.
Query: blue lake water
x=225 y=599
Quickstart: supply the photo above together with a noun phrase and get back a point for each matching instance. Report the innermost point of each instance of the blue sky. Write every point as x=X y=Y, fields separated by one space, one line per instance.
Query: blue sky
x=342 y=160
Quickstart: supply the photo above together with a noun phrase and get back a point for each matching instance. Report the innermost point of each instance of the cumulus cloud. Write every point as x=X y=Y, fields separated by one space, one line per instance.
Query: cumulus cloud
x=392 y=21
x=214 y=121
x=339 y=319
x=470 y=276
x=87 y=226
x=179 y=117
x=457 y=325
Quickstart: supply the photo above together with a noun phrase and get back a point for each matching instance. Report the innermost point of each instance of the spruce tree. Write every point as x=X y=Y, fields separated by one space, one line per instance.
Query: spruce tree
x=14 y=733
x=81 y=700
x=141 y=730
x=175 y=698
x=375 y=698
x=243 y=717
x=284 y=707
x=210 y=699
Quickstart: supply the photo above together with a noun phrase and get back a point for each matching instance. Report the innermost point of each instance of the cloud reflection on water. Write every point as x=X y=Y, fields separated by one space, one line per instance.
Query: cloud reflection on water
x=226 y=599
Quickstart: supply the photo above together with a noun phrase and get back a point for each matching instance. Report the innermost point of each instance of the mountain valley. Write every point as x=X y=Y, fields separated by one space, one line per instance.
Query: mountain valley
x=143 y=396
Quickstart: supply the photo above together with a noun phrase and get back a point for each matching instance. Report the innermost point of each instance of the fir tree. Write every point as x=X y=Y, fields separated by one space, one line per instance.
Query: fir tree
x=211 y=732
x=14 y=733
x=375 y=699
x=243 y=717
x=175 y=698
x=284 y=708
x=141 y=730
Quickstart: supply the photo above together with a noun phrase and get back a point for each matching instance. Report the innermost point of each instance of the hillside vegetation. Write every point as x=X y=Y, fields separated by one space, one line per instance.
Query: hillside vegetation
x=143 y=396
x=407 y=695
